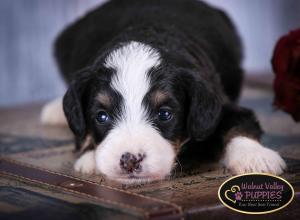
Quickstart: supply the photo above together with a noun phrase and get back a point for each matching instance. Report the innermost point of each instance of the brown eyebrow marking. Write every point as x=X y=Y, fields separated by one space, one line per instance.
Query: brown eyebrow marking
x=104 y=99
x=159 y=96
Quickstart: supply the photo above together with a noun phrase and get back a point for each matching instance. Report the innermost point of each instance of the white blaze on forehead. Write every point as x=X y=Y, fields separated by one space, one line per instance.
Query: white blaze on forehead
x=132 y=63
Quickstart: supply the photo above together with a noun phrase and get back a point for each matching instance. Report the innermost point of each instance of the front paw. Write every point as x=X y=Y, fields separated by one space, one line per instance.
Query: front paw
x=86 y=163
x=245 y=155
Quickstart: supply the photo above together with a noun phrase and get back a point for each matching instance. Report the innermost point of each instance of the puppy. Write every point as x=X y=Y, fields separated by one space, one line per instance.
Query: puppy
x=149 y=77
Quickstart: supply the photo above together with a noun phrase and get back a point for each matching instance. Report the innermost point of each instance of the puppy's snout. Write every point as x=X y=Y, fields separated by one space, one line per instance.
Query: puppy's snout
x=131 y=163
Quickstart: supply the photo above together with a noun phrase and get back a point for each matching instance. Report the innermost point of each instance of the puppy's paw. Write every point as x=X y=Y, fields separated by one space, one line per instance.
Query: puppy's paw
x=53 y=114
x=245 y=155
x=86 y=163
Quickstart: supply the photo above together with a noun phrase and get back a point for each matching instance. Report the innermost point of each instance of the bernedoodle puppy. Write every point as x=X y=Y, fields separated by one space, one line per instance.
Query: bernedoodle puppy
x=147 y=78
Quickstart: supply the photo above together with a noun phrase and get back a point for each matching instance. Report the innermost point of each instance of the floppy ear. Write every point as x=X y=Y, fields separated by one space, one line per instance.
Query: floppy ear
x=73 y=108
x=205 y=109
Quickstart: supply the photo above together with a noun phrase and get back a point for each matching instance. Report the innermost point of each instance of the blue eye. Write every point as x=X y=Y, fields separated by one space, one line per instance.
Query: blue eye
x=102 y=117
x=164 y=115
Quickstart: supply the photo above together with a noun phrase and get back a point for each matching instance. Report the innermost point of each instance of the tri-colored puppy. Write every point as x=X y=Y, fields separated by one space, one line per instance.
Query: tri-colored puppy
x=147 y=77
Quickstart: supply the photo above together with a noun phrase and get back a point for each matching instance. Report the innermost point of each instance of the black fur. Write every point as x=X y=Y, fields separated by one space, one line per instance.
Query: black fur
x=201 y=66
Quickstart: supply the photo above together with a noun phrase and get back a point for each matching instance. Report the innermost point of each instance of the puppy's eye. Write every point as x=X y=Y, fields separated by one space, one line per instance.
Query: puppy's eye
x=164 y=114
x=102 y=117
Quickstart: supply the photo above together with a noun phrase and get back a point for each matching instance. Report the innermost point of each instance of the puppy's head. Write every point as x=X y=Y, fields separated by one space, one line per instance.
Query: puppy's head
x=137 y=108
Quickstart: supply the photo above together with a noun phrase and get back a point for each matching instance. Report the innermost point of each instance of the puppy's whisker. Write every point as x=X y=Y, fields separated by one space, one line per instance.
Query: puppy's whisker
x=181 y=169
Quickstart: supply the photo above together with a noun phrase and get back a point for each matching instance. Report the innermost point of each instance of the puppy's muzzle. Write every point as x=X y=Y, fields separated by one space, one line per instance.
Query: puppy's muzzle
x=131 y=163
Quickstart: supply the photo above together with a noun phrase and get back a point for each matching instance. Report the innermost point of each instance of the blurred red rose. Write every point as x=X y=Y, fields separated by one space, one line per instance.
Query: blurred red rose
x=286 y=65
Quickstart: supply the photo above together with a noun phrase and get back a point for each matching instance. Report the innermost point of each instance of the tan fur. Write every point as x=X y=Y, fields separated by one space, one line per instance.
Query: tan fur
x=104 y=99
x=159 y=97
x=88 y=144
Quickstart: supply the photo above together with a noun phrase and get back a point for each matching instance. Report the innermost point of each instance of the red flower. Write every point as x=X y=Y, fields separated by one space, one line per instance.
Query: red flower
x=286 y=65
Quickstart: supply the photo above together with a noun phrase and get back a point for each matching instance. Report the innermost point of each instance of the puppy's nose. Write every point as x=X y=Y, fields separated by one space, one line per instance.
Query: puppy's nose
x=131 y=163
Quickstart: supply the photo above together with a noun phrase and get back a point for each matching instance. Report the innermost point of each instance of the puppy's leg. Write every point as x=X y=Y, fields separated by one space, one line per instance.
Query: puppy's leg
x=53 y=114
x=86 y=163
x=243 y=152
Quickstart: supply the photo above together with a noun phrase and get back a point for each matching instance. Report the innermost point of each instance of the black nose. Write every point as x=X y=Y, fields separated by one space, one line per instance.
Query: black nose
x=131 y=163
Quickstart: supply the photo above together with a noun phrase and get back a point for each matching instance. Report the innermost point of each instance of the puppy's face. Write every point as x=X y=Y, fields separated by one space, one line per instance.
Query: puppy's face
x=137 y=109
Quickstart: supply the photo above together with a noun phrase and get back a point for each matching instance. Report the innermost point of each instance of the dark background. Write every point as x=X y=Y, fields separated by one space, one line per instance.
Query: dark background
x=28 y=27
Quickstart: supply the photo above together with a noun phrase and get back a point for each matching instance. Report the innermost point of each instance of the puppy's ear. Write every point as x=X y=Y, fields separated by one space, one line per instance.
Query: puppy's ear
x=205 y=108
x=73 y=107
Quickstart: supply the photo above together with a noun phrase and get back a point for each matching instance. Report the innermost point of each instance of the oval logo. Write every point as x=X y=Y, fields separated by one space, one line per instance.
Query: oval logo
x=256 y=193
